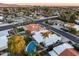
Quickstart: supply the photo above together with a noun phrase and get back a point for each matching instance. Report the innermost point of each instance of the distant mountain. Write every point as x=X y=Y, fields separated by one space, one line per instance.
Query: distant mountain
x=8 y=5
x=12 y=5
x=40 y=4
x=55 y=4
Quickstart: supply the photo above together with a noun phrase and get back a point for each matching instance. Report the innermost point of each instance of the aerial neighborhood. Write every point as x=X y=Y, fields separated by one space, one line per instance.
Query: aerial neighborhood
x=39 y=31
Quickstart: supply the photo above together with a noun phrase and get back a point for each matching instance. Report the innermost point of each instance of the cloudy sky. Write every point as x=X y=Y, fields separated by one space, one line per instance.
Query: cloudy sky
x=39 y=1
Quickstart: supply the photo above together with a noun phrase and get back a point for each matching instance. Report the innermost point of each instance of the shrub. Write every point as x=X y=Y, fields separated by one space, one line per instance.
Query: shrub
x=72 y=30
x=65 y=29
x=27 y=40
x=76 y=46
x=46 y=21
x=20 y=29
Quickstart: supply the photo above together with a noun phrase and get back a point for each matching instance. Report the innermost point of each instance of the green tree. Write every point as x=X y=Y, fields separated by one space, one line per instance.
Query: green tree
x=16 y=45
x=72 y=18
x=72 y=30
x=76 y=46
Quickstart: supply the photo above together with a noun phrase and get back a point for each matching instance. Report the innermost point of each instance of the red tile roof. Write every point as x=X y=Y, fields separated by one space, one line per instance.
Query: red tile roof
x=33 y=27
x=69 y=52
x=70 y=25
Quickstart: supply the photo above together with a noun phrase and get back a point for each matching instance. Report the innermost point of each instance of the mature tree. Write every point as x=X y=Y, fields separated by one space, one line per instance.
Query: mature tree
x=16 y=45
x=72 y=18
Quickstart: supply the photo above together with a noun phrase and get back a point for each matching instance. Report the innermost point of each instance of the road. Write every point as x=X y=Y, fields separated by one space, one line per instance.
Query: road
x=73 y=38
x=10 y=26
x=5 y=27
x=39 y=20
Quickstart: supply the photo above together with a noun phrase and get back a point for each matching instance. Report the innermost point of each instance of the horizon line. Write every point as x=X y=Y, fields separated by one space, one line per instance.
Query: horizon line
x=46 y=4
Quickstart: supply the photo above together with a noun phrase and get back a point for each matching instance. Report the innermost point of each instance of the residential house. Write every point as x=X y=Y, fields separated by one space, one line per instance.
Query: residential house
x=1 y=18
x=56 y=22
x=64 y=49
x=48 y=39
x=34 y=27
x=3 y=40
x=77 y=22
x=72 y=25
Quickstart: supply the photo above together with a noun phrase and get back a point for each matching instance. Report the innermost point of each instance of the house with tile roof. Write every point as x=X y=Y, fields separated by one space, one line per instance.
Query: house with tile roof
x=64 y=49
x=72 y=25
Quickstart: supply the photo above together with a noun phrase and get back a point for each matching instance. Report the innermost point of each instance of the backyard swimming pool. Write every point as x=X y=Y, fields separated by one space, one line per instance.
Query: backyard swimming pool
x=31 y=46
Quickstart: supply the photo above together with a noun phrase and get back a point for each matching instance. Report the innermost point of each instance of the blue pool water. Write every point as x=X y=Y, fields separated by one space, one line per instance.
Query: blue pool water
x=31 y=47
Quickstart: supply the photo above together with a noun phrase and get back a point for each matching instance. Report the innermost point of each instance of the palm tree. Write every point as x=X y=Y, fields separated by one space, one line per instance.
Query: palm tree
x=16 y=45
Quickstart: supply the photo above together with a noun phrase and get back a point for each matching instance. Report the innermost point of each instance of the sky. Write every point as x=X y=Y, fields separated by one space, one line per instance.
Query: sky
x=39 y=1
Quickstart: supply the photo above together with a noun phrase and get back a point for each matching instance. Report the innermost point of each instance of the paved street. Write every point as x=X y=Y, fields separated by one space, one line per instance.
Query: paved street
x=73 y=38
x=37 y=21
x=10 y=26
x=5 y=27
